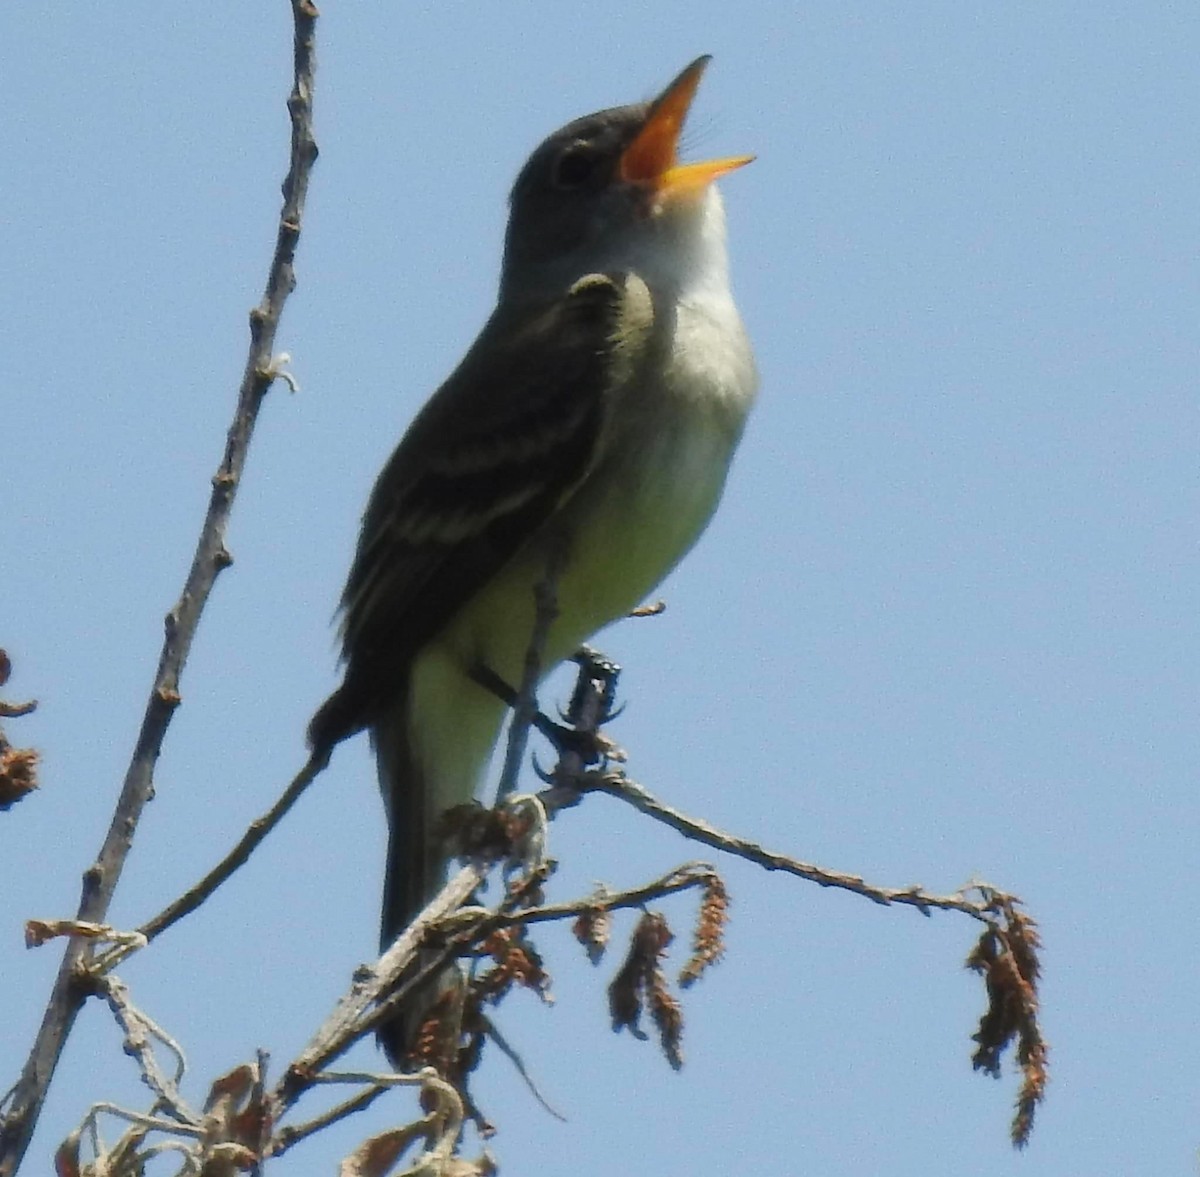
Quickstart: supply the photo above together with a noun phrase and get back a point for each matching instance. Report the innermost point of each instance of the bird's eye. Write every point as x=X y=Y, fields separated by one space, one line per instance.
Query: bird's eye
x=575 y=166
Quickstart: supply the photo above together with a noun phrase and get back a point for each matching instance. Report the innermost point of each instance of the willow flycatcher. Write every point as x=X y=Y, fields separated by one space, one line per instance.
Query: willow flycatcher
x=594 y=417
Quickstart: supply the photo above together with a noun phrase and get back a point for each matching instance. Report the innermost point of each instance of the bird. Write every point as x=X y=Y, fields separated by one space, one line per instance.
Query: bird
x=592 y=421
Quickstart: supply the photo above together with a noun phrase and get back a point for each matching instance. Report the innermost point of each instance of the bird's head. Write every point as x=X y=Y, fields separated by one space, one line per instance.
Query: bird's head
x=607 y=192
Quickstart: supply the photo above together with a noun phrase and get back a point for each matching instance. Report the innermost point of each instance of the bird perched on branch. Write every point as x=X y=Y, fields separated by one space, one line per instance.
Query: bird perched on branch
x=595 y=416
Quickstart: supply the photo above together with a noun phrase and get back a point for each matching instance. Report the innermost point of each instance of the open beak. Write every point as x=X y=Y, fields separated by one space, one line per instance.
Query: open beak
x=652 y=158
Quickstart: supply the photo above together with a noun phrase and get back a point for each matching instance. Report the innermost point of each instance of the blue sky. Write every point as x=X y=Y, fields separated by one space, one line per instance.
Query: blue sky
x=944 y=626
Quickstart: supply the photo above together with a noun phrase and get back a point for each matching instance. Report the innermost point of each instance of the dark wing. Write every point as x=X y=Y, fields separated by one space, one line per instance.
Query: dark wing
x=492 y=455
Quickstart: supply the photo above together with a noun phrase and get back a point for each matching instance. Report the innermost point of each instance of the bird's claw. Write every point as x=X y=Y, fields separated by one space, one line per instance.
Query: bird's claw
x=598 y=676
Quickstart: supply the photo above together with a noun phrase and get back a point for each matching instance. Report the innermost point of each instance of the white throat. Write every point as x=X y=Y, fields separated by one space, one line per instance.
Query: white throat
x=680 y=251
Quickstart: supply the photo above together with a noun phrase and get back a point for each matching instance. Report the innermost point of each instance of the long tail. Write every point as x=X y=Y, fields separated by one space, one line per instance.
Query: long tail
x=416 y=868
x=457 y=723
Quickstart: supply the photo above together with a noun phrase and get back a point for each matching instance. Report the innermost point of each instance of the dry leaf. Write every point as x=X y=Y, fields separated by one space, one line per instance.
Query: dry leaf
x=592 y=928
x=708 y=941
x=18 y=774
x=1007 y=958
x=641 y=981
x=376 y=1156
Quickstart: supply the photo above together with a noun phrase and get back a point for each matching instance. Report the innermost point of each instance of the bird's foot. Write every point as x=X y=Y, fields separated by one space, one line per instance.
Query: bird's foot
x=593 y=702
x=578 y=739
x=578 y=748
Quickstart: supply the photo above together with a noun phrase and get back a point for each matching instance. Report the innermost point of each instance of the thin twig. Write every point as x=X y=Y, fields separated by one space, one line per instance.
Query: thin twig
x=139 y=1029
x=258 y=829
x=456 y=930
x=350 y=1019
x=363 y=1007
x=510 y=1052
x=441 y=1126
x=487 y=678
x=682 y=878
x=617 y=784
x=100 y=880
x=545 y=596
x=12 y=710
x=149 y=1122
x=291 y=1134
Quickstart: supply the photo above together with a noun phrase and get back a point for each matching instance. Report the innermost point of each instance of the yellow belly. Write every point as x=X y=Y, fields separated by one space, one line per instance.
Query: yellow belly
x=624 y=531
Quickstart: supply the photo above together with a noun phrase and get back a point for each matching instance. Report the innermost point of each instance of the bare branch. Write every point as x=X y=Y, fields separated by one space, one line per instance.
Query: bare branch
x=139 y=1029
x=453 y=930
x=211 y=556
x=1006 y=954
x=292 y=1134
x=682 y=878
x=360 y=1010
x=258 y=829
x=617 y=784
x=441 y=1127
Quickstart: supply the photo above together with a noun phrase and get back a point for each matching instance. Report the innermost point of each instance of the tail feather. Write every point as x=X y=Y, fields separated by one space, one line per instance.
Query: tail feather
x=416 y=870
